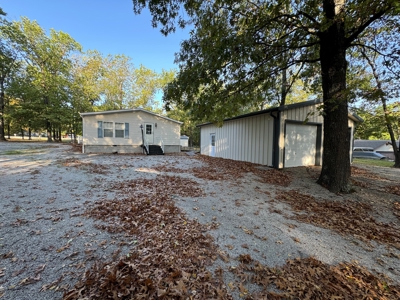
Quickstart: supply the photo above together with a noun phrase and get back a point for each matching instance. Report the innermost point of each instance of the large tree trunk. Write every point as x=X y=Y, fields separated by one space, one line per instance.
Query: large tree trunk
x=335 y=173
x=397 y=158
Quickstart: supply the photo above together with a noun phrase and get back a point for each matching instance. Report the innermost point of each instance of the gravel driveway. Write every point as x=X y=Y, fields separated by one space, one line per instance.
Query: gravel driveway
x=46 y=243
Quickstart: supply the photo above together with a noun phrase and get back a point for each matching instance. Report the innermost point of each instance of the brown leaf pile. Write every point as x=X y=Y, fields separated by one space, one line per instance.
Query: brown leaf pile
x=359 y=172
x=273 y=176
x=76 y=147
x=170 y=169
x=217 y=168
x=162 y=185
x=348 y=217
x=169 y=255
x=393 y=189
x=396 y=209
x=309 y=278
x=86 y=166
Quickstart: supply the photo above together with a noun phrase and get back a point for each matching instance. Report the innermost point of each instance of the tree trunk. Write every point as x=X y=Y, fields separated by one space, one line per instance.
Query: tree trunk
x=335 y=173
x=48 y=128
x=284 y=87
x=385 y=110
x=391 y=133
x=59 y=134
x=54 y=134
x=397 y=159
x=48 y=124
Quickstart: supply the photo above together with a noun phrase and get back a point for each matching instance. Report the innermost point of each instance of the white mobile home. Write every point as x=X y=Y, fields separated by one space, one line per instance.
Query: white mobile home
x=129 y=131
x=280 y=137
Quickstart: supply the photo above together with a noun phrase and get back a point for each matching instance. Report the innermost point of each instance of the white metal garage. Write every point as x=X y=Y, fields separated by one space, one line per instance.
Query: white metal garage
x=280 y=137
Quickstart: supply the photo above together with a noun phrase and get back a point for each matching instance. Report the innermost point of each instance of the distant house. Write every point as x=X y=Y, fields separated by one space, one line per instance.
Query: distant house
x=184 y=141
x=129 y=131
x=383 y=147
x=279 y=137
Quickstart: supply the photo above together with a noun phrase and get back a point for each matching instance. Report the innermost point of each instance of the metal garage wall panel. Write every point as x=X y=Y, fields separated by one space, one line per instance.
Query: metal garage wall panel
x=243 y=141
x=251 y=138
x=302 y=113
x=269 y=128
x=247 y=139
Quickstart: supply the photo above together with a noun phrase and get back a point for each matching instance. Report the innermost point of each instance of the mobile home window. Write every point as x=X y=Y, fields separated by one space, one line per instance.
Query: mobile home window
x=127 y=130
x=149 y=129
x=119 y=130
x=99 y=129
x=108 y=129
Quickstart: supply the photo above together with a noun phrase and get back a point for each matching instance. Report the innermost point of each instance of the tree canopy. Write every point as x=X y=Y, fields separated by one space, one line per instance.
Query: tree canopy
x=46 y=81
x=237 y=49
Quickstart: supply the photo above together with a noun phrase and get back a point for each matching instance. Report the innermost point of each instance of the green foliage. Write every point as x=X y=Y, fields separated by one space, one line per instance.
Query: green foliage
x=379 y=86
x=40 y=89
x=112 y=82
x=51 y=81
x=374 y=126
x=237 y=50
x=188 y=127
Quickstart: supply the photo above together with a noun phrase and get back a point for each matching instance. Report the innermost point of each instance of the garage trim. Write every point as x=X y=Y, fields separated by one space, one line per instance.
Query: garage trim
x=318 y=142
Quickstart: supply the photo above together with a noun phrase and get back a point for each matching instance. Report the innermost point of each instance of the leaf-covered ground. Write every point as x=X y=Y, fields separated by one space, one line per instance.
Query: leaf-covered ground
x=171 y=252
x=77 y=226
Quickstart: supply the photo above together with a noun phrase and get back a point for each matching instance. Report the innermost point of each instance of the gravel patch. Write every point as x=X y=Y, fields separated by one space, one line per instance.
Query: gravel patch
x=46 y=242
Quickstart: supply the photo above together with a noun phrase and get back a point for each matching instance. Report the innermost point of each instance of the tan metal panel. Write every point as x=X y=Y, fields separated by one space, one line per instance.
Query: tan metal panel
x=260 y=137
x=205 y=139
x=247 y=139
x=270 y=141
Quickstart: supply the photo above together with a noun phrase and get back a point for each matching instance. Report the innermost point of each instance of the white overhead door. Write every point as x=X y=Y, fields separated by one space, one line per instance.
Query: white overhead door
x=300 y=145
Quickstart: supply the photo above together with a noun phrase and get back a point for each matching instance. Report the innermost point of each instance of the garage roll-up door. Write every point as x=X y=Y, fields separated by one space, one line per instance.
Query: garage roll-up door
x=300 y=145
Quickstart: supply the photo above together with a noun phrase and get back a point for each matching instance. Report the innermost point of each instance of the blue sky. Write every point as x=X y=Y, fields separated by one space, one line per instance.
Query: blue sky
x=109 y=26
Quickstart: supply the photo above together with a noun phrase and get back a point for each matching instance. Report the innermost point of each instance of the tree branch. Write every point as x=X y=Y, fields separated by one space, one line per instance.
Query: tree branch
x=368 y=47
x=308 y=16
x=363 y=26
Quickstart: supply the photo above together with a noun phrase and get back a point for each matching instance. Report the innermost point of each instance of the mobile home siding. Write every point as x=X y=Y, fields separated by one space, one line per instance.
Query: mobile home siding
x=242 y=139
x=166 y=130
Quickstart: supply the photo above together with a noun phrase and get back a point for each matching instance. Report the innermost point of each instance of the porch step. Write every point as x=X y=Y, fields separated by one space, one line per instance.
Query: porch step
x=155 y=150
